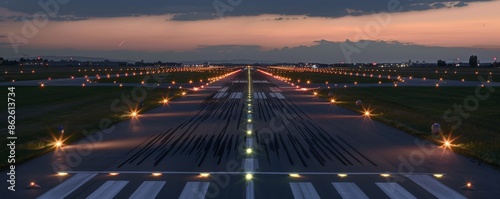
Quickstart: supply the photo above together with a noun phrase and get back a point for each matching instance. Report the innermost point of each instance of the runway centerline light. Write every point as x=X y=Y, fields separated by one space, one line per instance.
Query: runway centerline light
x=294 y=175
x=438 y=175
x=62 y=173
x=204 y=175
x=342 y=175
x=248 y=176
x=156 y=174
x=249 y=151
x=385 y=175
x=113 y=174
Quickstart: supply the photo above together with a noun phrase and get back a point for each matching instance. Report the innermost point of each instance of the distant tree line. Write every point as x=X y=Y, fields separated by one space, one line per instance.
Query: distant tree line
x=473 y=62
x=6 y=62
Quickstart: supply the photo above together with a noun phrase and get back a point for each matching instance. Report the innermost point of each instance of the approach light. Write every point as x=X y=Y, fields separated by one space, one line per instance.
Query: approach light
x=58 y=144
x=447 y=144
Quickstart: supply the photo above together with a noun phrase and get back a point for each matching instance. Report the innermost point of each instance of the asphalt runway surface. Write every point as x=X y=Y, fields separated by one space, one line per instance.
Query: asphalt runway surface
x=252 y=136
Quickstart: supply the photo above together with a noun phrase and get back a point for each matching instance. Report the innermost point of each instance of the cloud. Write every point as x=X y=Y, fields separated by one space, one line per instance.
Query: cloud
x=55 y=18
x=461 y=4
x=194 y=16
x=353 y=11
x=202 y=9
x=9 y=15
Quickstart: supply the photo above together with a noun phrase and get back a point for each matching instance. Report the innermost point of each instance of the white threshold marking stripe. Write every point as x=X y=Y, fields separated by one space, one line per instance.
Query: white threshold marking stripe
x=220 y=95
x=434 y=187
x=236 y=95
x=256 y=95
x=148 y=189
x=249 y=190
x=394 y=190
x=64 y=189
x=108 y=190
x=194 y=190
x=263 y=95
x=279 y=96
x=349 y=190
x=303 y=190
x=275 y=89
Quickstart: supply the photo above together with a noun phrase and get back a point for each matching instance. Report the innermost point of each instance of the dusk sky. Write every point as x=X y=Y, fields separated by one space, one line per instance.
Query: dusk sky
x=283 y=31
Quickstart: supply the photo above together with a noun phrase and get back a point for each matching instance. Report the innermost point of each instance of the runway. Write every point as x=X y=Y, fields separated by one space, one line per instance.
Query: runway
x=252 y=136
